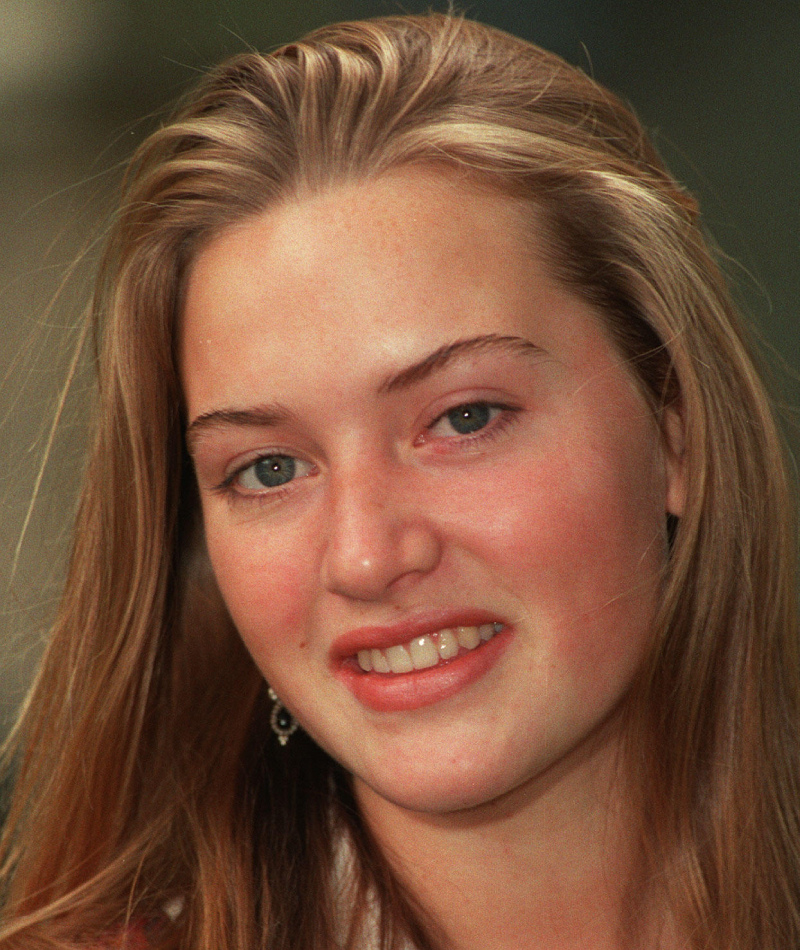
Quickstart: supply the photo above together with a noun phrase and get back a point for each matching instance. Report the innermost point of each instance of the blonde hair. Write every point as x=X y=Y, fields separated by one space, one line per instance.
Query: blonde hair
x=142 y=768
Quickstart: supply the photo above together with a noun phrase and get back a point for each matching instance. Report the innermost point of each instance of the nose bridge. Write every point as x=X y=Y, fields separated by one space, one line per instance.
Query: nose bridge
x=378 y=530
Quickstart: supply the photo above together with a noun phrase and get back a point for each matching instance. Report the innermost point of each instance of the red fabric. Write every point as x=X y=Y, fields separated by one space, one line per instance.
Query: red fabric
x=140 y=935
x=136 y=938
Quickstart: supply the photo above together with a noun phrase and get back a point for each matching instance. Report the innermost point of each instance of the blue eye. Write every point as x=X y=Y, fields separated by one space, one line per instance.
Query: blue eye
x=271 y=471
x=466 y=419
x=274 y=470
x=470 y=417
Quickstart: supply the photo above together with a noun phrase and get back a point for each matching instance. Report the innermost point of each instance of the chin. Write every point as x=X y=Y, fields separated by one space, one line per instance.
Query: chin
x=438 y=790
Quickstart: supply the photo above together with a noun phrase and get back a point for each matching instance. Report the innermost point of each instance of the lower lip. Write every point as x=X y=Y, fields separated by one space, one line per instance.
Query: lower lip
x=395 y=692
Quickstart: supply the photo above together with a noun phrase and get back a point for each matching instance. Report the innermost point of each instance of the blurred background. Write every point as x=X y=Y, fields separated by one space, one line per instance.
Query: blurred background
x=82 y=82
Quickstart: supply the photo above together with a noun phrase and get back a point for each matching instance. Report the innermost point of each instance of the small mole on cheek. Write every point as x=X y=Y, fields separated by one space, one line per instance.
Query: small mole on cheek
x=303 y=644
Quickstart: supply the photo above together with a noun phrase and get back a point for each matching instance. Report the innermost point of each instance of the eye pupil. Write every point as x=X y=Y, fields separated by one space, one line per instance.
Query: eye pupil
x=469 y=418
x=274 y=470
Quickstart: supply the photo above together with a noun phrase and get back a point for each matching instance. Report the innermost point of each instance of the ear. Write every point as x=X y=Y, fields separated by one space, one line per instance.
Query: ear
x=674 y=460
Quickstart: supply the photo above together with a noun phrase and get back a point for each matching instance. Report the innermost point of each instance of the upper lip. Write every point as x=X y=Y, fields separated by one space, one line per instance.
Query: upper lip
x=415 y=625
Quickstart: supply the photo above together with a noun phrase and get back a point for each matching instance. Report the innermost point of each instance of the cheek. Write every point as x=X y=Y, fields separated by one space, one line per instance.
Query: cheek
x=560 y=517
x=265 y=586
x=577 y=540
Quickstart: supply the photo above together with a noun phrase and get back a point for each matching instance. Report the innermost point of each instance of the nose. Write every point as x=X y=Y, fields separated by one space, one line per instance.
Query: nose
x=379 y=533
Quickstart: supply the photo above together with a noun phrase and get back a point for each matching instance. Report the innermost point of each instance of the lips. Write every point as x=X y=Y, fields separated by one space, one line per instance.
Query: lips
x=419 y=661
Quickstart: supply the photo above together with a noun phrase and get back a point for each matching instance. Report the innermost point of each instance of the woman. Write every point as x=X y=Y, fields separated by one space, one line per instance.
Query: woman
x=420 y=398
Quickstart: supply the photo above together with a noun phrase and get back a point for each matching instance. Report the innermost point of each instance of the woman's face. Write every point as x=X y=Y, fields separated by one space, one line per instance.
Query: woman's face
x=434 y=498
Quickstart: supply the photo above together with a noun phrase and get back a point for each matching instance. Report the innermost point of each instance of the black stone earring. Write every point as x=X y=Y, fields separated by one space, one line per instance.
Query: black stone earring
x=282 y=721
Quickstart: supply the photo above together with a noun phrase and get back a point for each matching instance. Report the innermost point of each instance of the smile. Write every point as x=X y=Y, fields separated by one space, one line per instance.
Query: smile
x=422 y=660
x=424 y=652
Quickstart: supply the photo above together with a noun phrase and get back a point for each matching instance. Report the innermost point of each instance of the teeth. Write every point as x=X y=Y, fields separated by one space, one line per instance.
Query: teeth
x=424 y=652
x=448 y=644
x=468 y=637
x=399 y=660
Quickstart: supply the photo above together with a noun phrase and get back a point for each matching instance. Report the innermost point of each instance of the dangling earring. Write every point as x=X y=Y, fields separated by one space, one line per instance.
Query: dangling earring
x=282 y=721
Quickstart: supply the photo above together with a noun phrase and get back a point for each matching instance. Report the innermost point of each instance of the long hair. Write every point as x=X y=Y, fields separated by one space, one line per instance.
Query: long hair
x=142 y=768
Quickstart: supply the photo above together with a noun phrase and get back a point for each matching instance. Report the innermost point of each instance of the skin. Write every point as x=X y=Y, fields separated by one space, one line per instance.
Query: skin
x=551 y=518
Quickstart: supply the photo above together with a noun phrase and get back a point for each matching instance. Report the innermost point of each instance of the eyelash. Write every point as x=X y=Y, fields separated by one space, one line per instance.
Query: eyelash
x=227 y=487
x=495 y=427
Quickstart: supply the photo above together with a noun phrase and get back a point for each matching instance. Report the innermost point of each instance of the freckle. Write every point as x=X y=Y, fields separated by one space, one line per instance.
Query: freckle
x=303 y=644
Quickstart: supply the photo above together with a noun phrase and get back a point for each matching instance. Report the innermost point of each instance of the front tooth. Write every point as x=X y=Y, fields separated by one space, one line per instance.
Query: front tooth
x=423 y=653
x=468 y=637
x=365 y=660
x=399 y=660
x=379 y=663
x=448 y=644
x=487 y=631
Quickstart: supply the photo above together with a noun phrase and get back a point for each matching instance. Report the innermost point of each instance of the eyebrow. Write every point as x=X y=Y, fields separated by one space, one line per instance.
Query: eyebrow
x=273 y=414
x=450 y=351
x=262 y=417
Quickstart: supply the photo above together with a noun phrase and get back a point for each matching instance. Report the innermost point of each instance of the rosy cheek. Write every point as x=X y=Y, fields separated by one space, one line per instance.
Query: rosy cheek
x=528 y=518
x=265 y=589
x=573 y=547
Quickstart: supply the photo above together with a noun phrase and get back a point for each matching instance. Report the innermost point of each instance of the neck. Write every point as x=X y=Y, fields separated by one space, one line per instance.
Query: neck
x=548 y=866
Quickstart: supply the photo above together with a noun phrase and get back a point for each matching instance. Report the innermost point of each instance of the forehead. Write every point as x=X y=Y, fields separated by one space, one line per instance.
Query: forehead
x=369 y=276
x=404 y=223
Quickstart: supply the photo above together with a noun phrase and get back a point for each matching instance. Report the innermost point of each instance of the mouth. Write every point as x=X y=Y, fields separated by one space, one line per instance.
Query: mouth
x=420 y=661
x=427 y=651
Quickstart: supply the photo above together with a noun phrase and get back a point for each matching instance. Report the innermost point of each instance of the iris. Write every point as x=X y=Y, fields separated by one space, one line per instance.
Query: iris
x=469 y=418
x=274 y=470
